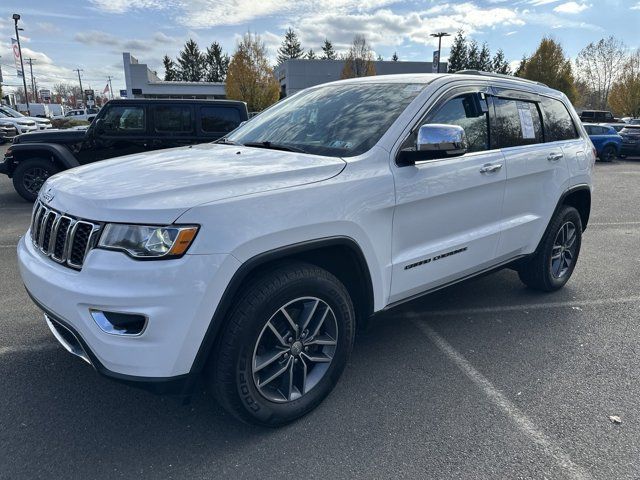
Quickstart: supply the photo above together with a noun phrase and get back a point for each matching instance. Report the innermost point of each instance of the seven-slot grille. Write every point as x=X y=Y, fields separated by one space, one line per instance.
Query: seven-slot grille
x=64 y=239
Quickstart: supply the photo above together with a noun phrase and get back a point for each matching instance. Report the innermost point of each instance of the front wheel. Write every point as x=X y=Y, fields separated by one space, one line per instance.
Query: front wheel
x=551 y=266
x=30 y=175
x=285 y=344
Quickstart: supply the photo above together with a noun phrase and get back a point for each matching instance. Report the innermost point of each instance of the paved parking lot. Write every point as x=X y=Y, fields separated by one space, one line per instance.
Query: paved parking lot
x=483 y=380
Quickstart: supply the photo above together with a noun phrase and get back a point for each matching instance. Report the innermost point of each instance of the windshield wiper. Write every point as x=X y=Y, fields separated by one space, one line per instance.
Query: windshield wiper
x=226 y=141
x=275 y=146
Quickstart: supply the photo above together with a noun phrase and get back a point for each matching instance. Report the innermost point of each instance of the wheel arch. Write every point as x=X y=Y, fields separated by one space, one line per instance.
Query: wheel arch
x=58 y=154
x=340 y=255
x=578 y=197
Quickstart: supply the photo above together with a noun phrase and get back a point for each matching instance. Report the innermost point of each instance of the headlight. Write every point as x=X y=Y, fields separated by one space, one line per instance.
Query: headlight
x=144 y=241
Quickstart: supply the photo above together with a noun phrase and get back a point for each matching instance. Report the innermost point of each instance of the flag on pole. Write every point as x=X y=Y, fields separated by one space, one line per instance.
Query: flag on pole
x=106 y=89
x=16 y=55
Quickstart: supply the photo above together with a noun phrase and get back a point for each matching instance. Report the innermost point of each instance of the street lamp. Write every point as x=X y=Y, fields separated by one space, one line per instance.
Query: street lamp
x=439 y=35
x=16 y=17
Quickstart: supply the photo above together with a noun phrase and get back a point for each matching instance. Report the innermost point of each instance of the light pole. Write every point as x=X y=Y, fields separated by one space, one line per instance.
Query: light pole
x=80 y=80
x=16 y=17
x=439 y=35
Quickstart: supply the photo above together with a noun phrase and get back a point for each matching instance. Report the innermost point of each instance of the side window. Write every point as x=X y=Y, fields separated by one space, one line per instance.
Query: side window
x=219 y=119
x=517 y=123
x=558 y=124
x=460 y=111
x=173 y=119
x=588 y=129
x=122 y=120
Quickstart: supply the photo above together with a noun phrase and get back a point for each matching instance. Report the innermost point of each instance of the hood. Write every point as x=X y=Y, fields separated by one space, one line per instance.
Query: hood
x=53 y=136
x=158 y=187
x=36 y=119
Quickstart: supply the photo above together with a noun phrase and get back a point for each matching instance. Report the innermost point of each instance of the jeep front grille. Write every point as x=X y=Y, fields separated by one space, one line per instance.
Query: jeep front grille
x=64 y=239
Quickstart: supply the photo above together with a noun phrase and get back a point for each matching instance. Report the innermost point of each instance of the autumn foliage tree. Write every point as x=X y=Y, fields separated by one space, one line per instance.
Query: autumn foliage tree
x=624 y=97
x=249 y=77
x=550 y=66
x=359 y=59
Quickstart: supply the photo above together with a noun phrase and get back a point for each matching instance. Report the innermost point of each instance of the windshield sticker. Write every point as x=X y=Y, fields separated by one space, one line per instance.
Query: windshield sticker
x=341 y=144
x=526 y=120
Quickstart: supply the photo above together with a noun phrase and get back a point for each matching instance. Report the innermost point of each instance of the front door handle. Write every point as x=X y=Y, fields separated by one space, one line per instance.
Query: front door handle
x=554 y=157
x=491 y=168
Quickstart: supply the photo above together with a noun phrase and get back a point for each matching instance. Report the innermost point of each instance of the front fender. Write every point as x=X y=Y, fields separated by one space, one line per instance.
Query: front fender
x=23 y=151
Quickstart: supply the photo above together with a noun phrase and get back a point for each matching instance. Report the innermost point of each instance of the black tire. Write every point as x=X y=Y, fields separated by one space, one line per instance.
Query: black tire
x=608 y=154
x=30 y=175
x=231 y=373
x=541 y=271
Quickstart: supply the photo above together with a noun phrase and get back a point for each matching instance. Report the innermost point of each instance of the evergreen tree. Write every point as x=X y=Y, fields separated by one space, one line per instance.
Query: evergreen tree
x=290 y=48
x=394 y=57
x=499 y=64
x=191 y=64
x=311 y=55
x=328 y=53
x=550 y=66
x=170 y=72
x=217 y=63
x=473 y=56
x=484 y=59
x=458 y=56
x=521 y=66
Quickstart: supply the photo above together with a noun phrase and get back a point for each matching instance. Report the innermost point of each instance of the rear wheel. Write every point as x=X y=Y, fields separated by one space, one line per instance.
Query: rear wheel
x=608 y=154
x=552 y=265
x=30 y=175
x=286 y=343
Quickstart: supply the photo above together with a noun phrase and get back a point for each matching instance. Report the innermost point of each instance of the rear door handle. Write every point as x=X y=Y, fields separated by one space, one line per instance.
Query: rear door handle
x=554 y=157
x=490 y=167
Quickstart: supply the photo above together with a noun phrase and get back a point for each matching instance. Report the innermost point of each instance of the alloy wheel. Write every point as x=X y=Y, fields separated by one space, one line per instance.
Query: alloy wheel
x=563 y=251
x=294 y=349
x=34 y=178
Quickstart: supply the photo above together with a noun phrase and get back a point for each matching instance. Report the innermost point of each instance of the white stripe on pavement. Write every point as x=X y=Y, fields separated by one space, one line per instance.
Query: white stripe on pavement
x=524 y=423
x=39 y=347
x=532 y=306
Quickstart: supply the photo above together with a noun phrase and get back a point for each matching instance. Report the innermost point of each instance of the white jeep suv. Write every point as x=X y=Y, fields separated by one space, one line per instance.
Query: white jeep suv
x=254 y=259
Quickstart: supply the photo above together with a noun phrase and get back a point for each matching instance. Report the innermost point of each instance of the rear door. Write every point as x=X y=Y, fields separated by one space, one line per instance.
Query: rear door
x=537 y=142
x=446 y=221
x=173 y=125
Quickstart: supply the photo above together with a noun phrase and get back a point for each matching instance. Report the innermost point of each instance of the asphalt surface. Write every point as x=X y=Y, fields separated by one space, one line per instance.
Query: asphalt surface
x=486 y=379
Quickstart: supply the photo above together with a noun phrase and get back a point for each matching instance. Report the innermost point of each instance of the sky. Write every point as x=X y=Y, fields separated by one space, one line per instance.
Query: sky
x=63 y=35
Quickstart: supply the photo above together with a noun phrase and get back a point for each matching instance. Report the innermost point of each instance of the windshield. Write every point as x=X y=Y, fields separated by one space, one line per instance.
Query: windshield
x=10 y=112
x=335 y=120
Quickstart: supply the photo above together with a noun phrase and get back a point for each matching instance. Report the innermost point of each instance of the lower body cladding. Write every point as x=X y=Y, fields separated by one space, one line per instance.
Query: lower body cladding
x=631 y=149
x=142 y=322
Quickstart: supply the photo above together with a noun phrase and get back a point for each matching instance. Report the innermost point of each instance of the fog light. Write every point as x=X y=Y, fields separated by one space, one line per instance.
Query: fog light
x=116 y=323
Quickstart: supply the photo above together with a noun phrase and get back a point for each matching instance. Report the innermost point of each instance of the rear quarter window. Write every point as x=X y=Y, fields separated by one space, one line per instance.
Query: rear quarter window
x=219 y=119
x=558 y=124
x=173 y=119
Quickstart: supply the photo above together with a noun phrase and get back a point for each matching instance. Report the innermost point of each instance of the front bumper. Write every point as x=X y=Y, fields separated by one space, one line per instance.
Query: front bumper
x=179 y=297
x=630 y=148
x=26 y=129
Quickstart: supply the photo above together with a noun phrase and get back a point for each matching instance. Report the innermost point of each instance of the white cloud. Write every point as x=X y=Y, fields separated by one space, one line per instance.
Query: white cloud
x=571 y=7
x=636 y=6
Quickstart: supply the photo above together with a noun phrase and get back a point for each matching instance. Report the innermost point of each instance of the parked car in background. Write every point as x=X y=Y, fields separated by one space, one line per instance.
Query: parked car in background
x=255 y=259
x=56 y=110
x=597 y=116
x=630 y=140
x=122 y=127
x=7 y=131
x=41 y=123
x=22 y=124
x=40 y=110
x=634 y=121
x=616 y=126
x=606 y=140
x=86 y=114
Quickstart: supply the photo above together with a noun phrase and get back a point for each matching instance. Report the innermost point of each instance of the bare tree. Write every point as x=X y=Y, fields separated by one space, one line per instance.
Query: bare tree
x=599 y=65
x=359 y=59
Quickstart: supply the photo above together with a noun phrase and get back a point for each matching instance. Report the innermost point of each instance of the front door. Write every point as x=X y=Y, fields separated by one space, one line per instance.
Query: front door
x=447 y=217
x=121 y=131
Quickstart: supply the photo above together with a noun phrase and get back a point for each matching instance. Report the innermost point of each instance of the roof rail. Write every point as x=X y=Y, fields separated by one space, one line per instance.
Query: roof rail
x=499 y=75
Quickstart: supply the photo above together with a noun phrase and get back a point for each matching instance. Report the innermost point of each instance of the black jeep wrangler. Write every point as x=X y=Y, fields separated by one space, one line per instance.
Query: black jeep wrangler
x=122 y=127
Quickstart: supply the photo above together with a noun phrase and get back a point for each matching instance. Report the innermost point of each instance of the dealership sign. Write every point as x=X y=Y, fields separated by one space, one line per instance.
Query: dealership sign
x=16 y=55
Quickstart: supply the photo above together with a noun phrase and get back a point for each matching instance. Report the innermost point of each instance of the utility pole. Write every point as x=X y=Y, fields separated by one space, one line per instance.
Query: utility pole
x=110 y=86
x=33 y=83
x=80 y=80
x=439 y=35
x=16 y=17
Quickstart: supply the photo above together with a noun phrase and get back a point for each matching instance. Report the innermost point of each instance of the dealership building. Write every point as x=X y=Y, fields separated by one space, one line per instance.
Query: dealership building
x=293 y=76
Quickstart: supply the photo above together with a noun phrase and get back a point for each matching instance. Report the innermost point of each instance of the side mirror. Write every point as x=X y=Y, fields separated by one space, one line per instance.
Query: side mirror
x=436 y=141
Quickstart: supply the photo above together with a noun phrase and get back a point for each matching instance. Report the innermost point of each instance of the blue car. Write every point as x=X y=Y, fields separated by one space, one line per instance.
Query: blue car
x=606 y=140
